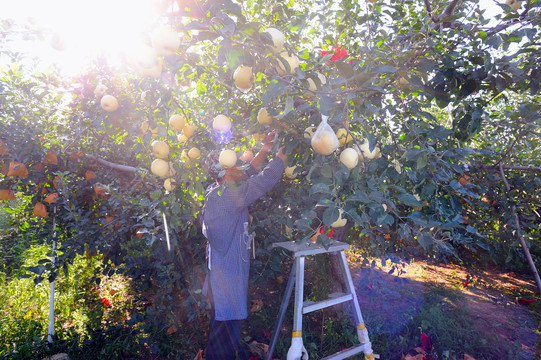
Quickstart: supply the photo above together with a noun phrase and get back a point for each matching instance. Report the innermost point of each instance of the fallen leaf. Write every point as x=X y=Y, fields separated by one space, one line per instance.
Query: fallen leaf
x=199 y=355
x=257 y=305
x=172 y=329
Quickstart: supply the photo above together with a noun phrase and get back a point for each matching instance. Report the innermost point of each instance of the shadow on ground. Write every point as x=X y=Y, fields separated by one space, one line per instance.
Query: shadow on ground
x=390 y=303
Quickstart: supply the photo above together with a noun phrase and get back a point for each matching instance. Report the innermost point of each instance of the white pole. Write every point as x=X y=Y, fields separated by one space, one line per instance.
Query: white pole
x=50 y=332
x=166 y=232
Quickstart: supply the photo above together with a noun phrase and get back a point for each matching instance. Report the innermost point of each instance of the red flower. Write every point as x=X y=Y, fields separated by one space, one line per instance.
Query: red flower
x=106 y=302
x=329 y=232
x=337 y=52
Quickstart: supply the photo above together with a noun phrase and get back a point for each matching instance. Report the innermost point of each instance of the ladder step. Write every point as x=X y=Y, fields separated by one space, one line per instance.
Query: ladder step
x=325 y=303
x=346 y=352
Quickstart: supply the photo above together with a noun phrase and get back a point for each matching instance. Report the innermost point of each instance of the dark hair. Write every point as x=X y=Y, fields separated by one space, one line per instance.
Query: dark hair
x=212 y=164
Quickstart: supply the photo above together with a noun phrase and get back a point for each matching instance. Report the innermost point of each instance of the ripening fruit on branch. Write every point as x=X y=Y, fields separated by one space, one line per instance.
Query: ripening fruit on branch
x=309 y=131
x=221 y=123
x=162 y=168
x=194 y=153
x=514 y=4
x=263 y=116
x=324 y=143
x=169 y=184
x=278 y=38
x=290 y=172
x=109 y=103
x=188 y=130
x=349 y=158
x=176 y=122
x=160 y=149
x=292 y=60
x=367 y=154
x=341 y=221
x=6 y=194
x=51 y=198
x=40 y=210
x=100 y=90
x=243 y=77
x=17 y=169
x=227 y=159
x=343 y=136
x=165 y=40
x=145 y=126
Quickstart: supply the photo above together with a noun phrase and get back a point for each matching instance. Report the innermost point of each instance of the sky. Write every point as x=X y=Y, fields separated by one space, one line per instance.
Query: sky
x=103 y=26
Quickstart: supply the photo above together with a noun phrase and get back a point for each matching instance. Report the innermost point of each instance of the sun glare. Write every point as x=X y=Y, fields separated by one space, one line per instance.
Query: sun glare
x=76 y=32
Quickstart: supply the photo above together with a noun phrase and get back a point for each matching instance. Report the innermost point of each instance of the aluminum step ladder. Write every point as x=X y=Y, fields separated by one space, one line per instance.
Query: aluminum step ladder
x=296 y=279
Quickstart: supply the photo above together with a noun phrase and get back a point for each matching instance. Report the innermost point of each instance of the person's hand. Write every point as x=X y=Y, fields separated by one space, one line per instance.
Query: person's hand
x=281 y=154
x=269 y=141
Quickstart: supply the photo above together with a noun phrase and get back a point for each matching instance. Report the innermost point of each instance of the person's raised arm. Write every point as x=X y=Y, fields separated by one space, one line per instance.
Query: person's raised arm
x=260 y=157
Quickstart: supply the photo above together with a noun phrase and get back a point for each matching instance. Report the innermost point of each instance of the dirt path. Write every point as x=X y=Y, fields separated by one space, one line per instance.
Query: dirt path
x=389 y=302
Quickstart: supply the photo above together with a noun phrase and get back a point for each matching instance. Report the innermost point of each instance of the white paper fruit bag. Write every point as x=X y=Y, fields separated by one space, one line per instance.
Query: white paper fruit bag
x=324 y=140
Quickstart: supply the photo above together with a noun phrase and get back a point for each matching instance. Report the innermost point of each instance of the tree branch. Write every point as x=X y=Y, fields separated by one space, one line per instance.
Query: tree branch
x=123 y=168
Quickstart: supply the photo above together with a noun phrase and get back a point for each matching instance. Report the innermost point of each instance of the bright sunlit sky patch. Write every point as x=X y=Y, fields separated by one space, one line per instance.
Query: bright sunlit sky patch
x=88 y=28
x=97 y=27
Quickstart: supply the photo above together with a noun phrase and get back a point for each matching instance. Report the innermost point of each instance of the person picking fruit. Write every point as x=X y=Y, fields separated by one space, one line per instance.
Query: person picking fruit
x=225 y=225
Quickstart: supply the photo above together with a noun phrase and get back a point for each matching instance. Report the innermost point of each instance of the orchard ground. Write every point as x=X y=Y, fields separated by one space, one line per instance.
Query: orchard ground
x=463 y=310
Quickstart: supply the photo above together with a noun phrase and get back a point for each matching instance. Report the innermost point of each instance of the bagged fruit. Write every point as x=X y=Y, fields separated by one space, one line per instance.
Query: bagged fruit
x=324 y=140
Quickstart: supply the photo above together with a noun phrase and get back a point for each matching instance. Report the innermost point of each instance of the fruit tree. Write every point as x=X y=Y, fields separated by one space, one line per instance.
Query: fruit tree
x=431 y=143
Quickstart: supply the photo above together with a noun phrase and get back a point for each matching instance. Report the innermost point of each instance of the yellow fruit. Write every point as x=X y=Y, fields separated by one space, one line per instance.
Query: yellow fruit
x=57 y=42
x=309 y=131
x=184 y=157
x=176 y=122
x=169 y=184
x=165 y=40
x=514 y=4
x=278 y=38
x=341 y=222
x=247 y=156
x=243 y=78
x=145 y=126
x=188 y=130
x=155 y=71
x=343 y=136
x=160 y=149
x=194 y=153
x=109 y=103
x=349 y=158
x=182 y=138
x=365 y=149
x=290 y=172
x=292 y=60
x=100 y=90
x=263 y=116
x=221 y=123
x=228 y=159
x=324 y=143
x=162 y=168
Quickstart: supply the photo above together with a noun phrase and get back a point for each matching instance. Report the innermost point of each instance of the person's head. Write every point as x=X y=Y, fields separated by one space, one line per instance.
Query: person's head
x=216 y=171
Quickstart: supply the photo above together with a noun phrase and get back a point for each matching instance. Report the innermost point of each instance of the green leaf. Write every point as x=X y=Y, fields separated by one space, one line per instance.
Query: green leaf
x=409 y=200
x=425 y=240
x=330 y=215
x=288 y=108
x=421 y=162
x=275 y=89
x=345 y=69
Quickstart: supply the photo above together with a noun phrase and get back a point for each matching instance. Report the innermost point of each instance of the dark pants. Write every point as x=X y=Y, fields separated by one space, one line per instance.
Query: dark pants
x=224 y=340
x=224 y=337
